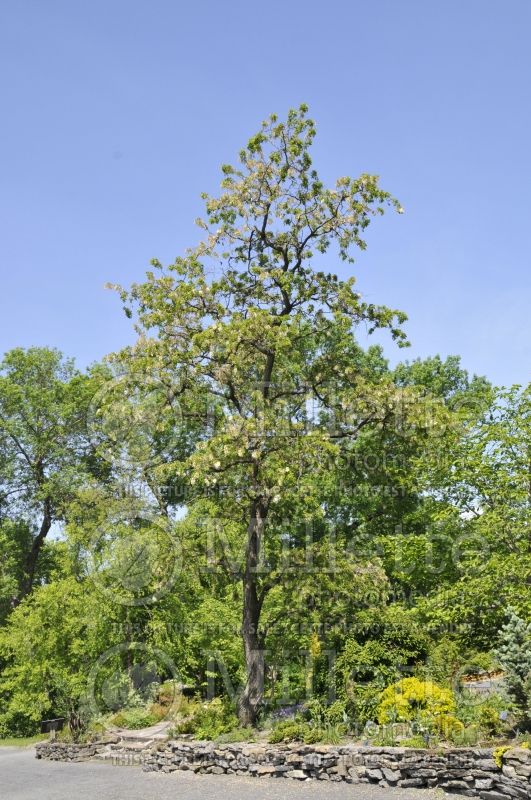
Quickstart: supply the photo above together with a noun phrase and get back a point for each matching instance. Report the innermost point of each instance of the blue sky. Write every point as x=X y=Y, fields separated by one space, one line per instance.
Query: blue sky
x=117 y=114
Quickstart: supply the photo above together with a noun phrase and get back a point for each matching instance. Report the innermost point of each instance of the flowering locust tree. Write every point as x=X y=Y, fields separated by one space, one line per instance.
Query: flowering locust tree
x=249 y=321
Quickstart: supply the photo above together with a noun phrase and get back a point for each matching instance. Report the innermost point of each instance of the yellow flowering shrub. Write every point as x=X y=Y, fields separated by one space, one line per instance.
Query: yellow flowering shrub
x=405 y=700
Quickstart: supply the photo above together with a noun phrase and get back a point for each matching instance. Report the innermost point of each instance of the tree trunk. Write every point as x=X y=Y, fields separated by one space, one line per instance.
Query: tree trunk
x=253 y=642
x=33 y=554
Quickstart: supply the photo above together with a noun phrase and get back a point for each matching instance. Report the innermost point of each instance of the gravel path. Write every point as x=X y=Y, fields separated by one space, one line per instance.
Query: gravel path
x=23 y=777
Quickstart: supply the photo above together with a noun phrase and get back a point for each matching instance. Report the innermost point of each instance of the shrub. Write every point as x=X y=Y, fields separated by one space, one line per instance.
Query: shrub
x=134 y=719
x=405 y=700
x=386 y=737
x=185 y=726
x=469 y=737
x=336 y=713
x=414 y=741
x=372 y=659
x=334 y=734
x=477 y=663
x=498 y=754
x=17 y=724
x=321 y=714
x=449 y=727
x=237 y=735
x=168 y=693
x=489 y=721
x=289 y=731
x=300 y=731
x=209 y=721
x=312 y=736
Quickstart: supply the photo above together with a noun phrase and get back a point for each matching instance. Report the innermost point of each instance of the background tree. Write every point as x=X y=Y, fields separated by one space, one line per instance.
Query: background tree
x=481 y=480
x=43 y=450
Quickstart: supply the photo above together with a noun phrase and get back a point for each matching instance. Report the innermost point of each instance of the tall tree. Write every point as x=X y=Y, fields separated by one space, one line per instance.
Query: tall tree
x=483 y=480
x=249 y=320
x=43 y=402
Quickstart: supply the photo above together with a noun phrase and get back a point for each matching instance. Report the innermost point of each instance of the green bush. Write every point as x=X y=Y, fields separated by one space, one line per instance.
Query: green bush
x=408 y=699
x=288 y=731
x=312 y=736
x=209 y=721
x=414 y=741
x=373 y=659
x=134 y=719
x=237 y=735
x=300 y=731
x=321 y=714
x=386 y=737
x=332 y=734
x=483 y=716
x=449 y=727
x=489 y=721
x=336 y=713
x=469 y=737
x=477 y=662
x=17 y=724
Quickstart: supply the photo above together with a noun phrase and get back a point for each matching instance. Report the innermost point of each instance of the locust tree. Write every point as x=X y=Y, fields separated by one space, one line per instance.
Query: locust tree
x=254 y=324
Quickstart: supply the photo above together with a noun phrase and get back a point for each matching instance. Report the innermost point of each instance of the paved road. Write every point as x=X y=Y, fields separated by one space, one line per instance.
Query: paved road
x=23 y=777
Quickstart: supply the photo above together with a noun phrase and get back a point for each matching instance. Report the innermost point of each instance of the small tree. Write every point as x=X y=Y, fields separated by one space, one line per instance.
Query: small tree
x=514 y=654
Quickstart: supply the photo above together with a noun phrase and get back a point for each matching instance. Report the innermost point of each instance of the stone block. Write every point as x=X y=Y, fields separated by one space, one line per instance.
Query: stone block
x=296 y=773
x=483 y=783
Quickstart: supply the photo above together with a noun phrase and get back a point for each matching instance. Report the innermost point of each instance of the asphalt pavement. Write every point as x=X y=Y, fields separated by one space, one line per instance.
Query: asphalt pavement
x=23 y=777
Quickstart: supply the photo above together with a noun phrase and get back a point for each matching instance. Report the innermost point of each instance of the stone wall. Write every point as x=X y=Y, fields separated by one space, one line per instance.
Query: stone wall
x=467 y=771
x=65 y=751
x=472 y=772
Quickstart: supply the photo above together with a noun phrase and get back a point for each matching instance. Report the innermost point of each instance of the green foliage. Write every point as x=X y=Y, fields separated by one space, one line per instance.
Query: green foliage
x=383 y=647
x=291 y=731
x=498 y=754
x=490 y=722
x=417 y=742
x=22 y=741
x=210 y=720
x=448 y=726
x=299 y=730
x=410 y=698
x=469 y=737
x=237 y=735
x=44 y=455
x=514 y=653
x=287 y=731
x=45 y=647
x=135 y=718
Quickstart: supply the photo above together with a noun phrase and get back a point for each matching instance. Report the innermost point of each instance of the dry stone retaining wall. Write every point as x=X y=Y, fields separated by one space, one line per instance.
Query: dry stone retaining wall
x=472 y=772
x=64 y=751
x=466 y=771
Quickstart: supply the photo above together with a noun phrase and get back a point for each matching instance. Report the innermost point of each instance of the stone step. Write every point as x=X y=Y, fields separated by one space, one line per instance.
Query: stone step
x=132 y=744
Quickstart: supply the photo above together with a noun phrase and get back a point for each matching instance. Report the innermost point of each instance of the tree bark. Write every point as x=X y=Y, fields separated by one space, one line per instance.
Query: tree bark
x=253 y=640
x=33 y=554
